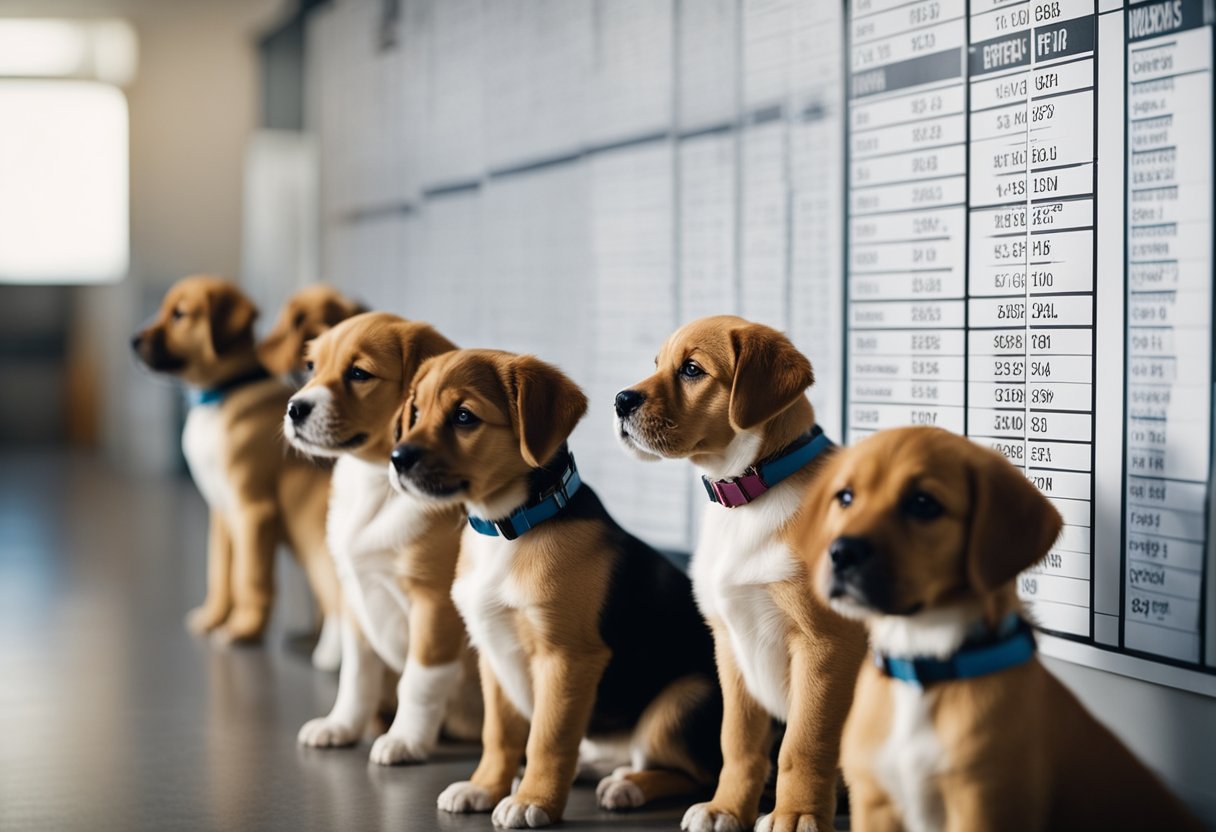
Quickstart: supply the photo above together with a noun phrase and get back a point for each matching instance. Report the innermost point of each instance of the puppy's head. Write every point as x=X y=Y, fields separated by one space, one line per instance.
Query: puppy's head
x=203 y=324
x=308 y=313
x=361 y=370
x=717 y=379
x=917 y=519
x=478 y=421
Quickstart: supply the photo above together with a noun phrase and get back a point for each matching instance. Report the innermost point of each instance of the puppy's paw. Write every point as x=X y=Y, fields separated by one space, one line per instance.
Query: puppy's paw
x=465 y=797
x=391 y=749
x=324 y=732
x=513 y=813
x=790 y=822
x=705 y=817
x=202 y=620
x=617 y=794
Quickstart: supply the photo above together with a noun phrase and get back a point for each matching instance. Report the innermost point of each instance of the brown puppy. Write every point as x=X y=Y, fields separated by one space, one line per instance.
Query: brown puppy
x=396 y=554
x=259 y=494
x=920 y=533
x=307 y=314
x=730 y=396
x=583 y=630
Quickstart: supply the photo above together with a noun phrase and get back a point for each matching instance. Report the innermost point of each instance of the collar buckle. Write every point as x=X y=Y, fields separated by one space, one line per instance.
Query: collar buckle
x=533 y=513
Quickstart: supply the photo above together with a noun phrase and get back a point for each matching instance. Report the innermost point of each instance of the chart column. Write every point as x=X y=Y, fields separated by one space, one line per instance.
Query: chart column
x=907 y=194
x=1169 y=318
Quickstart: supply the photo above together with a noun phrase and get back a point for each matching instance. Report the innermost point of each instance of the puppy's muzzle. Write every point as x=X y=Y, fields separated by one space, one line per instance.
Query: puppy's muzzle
x=298 y=410
x=627 y=401
x=853 y=573
x=406 y=457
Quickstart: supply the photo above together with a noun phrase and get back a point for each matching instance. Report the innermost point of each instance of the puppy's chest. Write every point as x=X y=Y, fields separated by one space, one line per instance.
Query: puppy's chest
x=498 y=612
x=740 y=560
x=908 y=761
x=367 y=518
x=204 y=443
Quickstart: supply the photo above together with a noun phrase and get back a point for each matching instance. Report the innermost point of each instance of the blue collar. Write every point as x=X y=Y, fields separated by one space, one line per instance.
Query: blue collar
x=533 y=513
x=1012 y=646
x=215 y=395
x=733 y=492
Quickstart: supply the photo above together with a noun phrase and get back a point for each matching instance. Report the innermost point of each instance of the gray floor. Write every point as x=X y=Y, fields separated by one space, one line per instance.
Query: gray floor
x=113 y=718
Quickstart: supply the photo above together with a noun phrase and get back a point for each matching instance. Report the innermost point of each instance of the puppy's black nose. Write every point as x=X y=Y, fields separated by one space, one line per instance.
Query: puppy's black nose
x=298 y=410
x=405 y=457
x=849 y=552
x=628 y=401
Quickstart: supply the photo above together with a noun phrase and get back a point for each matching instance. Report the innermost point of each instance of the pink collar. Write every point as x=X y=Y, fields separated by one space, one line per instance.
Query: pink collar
x=733 y=492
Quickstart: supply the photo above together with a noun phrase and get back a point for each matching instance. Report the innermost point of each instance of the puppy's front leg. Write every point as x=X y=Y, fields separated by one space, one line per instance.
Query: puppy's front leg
x=503 y=736
x=565 y=681
x=823 y=672
x=358 y=689
x=255 y=532
x=432 y=676
x=870 y=809
x=218 y=603
x=746 y=730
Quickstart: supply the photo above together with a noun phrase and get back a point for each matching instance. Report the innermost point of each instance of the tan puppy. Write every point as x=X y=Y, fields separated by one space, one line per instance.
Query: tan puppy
x=730 y=396
x=920 y=533
x=396 y=554
x=259 y=494
x=307 y=314
x=583 y=630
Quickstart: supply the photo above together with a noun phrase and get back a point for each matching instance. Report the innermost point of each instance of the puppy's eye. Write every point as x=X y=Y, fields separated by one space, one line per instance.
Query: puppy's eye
x=177 y=314
x=298 y=321
x=358 y=374
x=691 y=369
x=464 y=418
x=923 y=506
x=844 y=497
x=310 y=366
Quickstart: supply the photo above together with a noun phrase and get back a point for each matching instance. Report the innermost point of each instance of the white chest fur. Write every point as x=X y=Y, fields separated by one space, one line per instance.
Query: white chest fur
x=203 y=443
x=910 y=757
x=489 y=602
x=367 y=525
x=739 y=556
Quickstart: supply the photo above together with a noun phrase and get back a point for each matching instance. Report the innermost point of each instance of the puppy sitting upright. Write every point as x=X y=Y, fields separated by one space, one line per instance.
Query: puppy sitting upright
x=396 y=555
x=956 y=726
x=730 y=396
x=584 y=631
x=307 y=314
x=258 y=493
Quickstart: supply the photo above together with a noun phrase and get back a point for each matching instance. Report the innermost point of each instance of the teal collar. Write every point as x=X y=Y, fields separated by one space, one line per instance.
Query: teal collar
x=533 y=513
x=215 y=395
x=1013 y=645
x=733 y=492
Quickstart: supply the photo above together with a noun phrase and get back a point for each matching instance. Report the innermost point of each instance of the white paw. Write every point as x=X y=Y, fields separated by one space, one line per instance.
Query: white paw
x=327 y=655
x=324 y=732
x=701 y=817
x=464 y=797
x=804 y=823
x=514 y=814
x=616 y=794
x=389 y=750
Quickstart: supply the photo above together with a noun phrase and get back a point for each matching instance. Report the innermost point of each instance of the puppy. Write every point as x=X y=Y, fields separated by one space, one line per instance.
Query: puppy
x=307 y=314
x=395 y=554
x=259 y=494
x=920 y=534
x=583 y=630
x=730 y=396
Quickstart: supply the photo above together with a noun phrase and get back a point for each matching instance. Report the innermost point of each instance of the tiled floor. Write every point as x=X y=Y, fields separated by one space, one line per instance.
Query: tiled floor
x=113 y=718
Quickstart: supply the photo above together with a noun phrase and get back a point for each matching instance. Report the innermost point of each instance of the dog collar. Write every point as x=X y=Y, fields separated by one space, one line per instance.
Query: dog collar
x=733 y=492
x=215 y=395
x=1012 y=646
x=533 y=513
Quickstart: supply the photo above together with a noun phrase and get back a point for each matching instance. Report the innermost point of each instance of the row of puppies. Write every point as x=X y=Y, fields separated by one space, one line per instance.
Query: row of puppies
x=910 y=531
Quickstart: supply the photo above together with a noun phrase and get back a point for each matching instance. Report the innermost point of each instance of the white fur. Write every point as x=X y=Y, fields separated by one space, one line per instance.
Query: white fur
x=358 y=690
x=806 y=823
x=615 y=793
x=464 y=797
x=488 y=601
x=701 y=818
x=936 y=633
x=317 y=435
x=203 y=442
x=327 y=655
x=422 y=696
x=739 y=555
x=511 y=813
x=908 y=761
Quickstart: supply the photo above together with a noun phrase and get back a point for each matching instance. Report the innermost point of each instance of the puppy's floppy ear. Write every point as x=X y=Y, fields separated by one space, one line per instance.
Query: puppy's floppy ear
x=336 y=310
x=418 y=343
x=230 y=315
x=547 y=406
x=770 y=375
x=1012 y=524
x=280 y=351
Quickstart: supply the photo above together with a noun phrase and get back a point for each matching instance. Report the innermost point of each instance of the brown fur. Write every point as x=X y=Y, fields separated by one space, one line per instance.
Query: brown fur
x=203 y=334
x=754 y=380
x=308 y=313
x=1019 y=751
x=526 y=410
